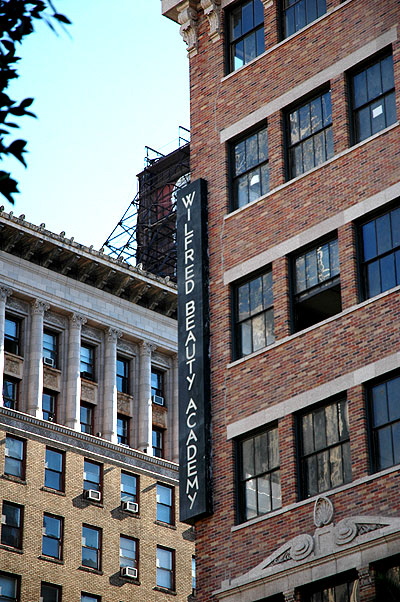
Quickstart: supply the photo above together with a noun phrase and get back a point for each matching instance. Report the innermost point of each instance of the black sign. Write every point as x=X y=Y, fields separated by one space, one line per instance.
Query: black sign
x=193 y=353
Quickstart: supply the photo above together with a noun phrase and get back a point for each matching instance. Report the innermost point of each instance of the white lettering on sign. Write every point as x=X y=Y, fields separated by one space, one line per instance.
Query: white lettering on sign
x=190 y=320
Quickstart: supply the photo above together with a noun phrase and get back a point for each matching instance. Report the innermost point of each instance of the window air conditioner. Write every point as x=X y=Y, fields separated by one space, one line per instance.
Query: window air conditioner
x=130 y=507
x=48 y=361
x=92 y=494
x=128 y=571
x=157 y=399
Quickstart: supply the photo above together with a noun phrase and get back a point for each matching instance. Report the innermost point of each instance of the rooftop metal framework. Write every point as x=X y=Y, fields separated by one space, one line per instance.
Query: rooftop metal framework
x=145 y=236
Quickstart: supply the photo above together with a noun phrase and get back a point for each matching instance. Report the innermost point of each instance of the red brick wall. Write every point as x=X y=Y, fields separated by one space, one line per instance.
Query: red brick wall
x=367 y=334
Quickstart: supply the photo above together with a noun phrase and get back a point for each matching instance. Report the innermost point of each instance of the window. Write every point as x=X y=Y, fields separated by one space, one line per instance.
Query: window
x=52 y=536
x=381 y=253
x=250 y=168
x=87 y=362
x=54 y=469
x=254 y=314
x=91 y=547
x=49 y=348
x=90 y=598
x=165 y=509
x=12 y=335
x=122 y=375
x=333 y=590
x=246 y=33
x=373 y=98
x=49 y=406
x=86 y=418
x=157 y=442
x=128 y=552
x=193 y=575
x=298 y=13
x=9 y=587
x=11 y=525
x=10 y=393
x=385 y=422
x=91 y=476
x=129 y=487
x=165 y=568
x=157 y=386
x=325 y=448
x=259 y=474
x=316 y=284
x=387 y=579
x=310 y=134
x=14 y=463
x=123 y=430
x=50 y=593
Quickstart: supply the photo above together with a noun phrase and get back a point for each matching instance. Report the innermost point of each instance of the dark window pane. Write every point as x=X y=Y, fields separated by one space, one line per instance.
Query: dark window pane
x=387 y=73
x=373 y=279
x=249 y=47
x=385 y=447
x=374 y=84
x=388 y=275
x=360 y=89
x=369 y=241
x=247 y=17
x=260 y=41
x=390 y=109
x=308 y=154
x=393 y=396
x=363 y=124
x=304 y=121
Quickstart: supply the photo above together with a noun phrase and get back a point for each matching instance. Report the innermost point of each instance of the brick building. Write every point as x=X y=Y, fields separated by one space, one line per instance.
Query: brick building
x=88 y=436
x=294 y=128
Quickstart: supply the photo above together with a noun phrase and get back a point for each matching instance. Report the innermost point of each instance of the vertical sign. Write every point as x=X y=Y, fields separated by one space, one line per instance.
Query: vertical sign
x=193 y=353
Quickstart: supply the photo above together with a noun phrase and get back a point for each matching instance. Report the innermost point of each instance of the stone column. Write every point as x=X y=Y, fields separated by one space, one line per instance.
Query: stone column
x=109 y=428
x=35 y=380
x=173 y=413
x=145 y=405
x=290 y=596
x=366 y=579
x=73 y=396
x=4 y=293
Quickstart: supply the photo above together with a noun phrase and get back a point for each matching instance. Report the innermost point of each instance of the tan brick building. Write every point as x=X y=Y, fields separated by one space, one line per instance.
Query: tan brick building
x=294 y=127
x=88 y=421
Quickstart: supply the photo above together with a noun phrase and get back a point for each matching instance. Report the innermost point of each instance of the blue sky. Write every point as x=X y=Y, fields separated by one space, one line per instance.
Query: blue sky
x=118 y=81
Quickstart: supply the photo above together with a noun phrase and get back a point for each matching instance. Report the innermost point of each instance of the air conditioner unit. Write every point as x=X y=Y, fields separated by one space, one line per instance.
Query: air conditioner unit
x=128 y=571
x=158 y=400
x=130 y=507
x=92 y=494
x=49 y=361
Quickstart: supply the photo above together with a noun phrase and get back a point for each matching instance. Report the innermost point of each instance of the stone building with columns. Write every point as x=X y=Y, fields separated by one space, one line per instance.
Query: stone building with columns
x=295 y=108
x=88 y=421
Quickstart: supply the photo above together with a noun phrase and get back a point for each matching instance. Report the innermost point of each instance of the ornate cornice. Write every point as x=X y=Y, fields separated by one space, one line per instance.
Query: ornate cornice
x=212 y=10
x=187 y=18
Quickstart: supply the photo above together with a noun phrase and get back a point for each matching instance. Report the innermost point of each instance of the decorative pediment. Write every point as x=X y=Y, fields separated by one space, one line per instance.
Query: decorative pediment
x=348 y=539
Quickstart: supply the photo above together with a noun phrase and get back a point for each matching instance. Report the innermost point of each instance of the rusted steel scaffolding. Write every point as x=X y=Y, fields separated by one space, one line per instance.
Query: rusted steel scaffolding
x=145 y=236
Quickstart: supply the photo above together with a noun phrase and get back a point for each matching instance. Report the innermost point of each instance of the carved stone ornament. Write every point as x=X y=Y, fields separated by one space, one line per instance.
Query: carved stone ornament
x=147 y=348
x=323 y=512
x=328 y=541
x=187 y=17
x=114 y=334
x=212 y=10
x=39 y=307
x=5 y=292
x=77 y=320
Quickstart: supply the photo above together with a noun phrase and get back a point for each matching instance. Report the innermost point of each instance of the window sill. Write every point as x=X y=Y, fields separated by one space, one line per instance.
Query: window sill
x=348 y=150
x=10 y=549
x=55 y=491
x=49 y=559
x=9 y=477
x=293 y=336
x=87 y=569
x=311 y=500
x=165 y=590
x=286 y=40
x=162 y=524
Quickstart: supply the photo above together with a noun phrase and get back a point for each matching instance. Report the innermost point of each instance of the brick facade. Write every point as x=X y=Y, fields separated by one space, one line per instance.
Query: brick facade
x=338 y=356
